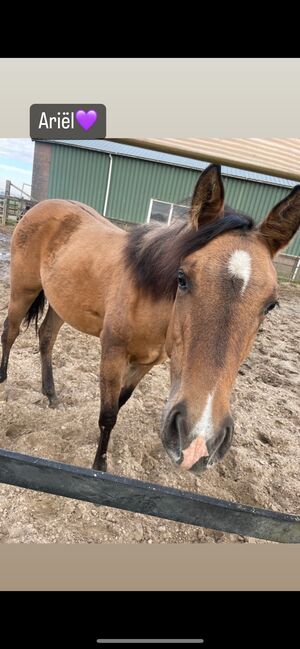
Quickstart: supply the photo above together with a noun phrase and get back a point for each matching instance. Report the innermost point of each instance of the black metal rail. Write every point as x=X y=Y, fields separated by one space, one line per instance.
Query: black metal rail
x=146 y=498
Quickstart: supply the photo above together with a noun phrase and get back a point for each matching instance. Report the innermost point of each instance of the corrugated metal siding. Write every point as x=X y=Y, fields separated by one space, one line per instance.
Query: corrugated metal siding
x=135 y=182
x=254 y=199
x=117 y=148
x=257 y=200
x=294 y=247
x=82 y=175
x=78 y=174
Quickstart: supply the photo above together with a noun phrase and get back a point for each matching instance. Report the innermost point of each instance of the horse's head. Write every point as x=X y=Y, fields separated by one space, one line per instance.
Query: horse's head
x=226 y=286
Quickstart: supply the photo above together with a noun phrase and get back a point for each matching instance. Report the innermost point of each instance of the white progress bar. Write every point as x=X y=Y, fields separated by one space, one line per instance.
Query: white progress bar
x=150 y=641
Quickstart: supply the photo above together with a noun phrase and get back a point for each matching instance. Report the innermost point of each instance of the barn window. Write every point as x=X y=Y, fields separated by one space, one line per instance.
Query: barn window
x=163 y=212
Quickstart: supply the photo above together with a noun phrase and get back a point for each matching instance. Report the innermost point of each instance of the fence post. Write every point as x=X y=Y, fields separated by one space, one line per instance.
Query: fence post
x=6 y=202
x=296 y=268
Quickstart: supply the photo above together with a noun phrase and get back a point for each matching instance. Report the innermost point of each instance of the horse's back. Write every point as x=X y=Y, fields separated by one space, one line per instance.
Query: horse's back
x=52 y=223
x=72 y=253
x=90 y=211
x=55 y=211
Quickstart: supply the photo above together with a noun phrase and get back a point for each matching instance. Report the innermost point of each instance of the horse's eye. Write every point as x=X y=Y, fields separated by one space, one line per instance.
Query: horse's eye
x=182 y=280
x=270 y=306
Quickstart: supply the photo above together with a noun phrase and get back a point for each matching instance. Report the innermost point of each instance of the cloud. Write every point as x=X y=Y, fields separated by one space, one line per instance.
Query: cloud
x=17 y=175
x=16 y=158
x=20 y=149
x=6 y=169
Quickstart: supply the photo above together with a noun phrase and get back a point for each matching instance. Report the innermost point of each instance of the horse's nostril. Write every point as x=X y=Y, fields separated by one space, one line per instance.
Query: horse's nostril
x=173 y=434
x=228 y=433
x=222 y=443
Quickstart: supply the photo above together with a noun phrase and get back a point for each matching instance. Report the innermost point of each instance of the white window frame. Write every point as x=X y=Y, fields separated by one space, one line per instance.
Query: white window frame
x=158 y=200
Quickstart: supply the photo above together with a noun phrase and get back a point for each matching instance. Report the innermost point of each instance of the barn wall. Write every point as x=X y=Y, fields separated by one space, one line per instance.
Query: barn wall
x=41 y=170
x=257 y=200
x=78 y=174
x=82 y=174
x=135 y=182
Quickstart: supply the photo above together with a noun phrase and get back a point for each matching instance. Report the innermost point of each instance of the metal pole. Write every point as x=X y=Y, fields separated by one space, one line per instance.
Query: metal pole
x=108 y=184
x=296 y=268
x=6 y=202
x=171 y=214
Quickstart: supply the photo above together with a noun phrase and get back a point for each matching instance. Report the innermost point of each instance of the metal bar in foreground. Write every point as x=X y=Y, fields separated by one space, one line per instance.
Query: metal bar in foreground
x=146 y=498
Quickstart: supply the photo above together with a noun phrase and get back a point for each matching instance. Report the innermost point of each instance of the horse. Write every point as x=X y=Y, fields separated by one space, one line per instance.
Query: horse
x=195 y=291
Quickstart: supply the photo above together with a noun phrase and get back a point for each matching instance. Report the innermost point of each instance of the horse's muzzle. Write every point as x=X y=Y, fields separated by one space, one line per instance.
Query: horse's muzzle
x=193 y=453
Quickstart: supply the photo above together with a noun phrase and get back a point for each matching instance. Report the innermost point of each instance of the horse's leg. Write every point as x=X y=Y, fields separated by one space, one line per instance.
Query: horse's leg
x=133 y=377
x=6 y=346
x=112 y=370
x=47 y=335
x=17 y=310
x=117 y=387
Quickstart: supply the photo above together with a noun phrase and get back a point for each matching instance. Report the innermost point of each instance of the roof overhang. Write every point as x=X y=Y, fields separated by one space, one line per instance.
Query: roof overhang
x=276 y=157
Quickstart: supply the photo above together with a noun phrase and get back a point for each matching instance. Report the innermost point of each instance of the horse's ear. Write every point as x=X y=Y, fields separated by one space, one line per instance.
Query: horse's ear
x=282 y=222
x=208 y=198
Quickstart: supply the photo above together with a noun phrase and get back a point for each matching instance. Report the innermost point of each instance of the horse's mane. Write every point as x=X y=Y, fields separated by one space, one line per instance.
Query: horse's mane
x=154 y=252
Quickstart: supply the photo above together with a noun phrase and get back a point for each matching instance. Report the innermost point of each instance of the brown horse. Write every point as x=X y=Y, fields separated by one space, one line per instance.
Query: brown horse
x=196 y=291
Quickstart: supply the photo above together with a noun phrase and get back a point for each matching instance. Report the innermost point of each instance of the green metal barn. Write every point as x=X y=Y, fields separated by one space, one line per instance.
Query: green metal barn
x=133 y=185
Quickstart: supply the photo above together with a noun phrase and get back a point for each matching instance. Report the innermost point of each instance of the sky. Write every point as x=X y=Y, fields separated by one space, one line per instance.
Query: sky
x=16 y=157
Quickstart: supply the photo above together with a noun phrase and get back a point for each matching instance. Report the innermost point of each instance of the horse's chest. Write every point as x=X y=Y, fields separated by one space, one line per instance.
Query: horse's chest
x=148 y=348
x=146 y=356
x=147 y=334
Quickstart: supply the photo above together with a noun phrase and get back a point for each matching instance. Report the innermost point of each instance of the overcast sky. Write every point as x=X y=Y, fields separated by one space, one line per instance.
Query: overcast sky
x=16 y=156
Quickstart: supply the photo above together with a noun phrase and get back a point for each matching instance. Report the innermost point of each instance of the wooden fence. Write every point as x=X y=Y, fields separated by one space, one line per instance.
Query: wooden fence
x=12 y=207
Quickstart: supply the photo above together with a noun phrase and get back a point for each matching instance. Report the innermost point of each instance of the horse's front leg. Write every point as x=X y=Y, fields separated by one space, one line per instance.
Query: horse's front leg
x=132 y=378
x=112 y=370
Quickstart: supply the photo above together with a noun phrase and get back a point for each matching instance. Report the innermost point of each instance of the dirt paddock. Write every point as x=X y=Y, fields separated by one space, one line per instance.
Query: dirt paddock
x=261 y=468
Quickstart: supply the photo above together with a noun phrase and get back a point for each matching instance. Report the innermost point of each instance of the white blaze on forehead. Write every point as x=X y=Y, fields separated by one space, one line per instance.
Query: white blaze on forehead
x=240 y=266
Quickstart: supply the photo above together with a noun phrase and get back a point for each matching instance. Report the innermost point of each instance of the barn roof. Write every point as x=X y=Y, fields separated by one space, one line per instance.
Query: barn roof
x=166 y=157
x=276 y=157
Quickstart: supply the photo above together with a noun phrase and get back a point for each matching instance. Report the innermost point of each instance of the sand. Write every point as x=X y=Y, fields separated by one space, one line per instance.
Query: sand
x=261 y=468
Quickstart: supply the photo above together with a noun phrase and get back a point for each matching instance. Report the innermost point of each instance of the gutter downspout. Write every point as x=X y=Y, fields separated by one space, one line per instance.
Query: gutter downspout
x=107 y=184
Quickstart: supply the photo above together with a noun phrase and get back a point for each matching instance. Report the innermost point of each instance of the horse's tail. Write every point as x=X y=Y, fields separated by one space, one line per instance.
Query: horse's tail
x=35 y=311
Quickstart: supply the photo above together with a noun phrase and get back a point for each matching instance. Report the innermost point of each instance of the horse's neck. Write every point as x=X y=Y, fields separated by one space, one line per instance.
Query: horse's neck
x=151 y=255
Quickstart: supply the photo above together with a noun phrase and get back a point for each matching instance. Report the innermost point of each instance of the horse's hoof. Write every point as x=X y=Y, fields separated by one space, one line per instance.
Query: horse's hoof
x=53 y=402
x=100 y=464
x=3 y=393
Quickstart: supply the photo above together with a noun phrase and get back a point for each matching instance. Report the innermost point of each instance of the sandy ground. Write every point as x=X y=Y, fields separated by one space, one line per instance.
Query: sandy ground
x=261 y=469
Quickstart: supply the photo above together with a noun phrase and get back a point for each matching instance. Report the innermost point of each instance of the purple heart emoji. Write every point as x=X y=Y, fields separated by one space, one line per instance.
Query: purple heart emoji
x=86 y=119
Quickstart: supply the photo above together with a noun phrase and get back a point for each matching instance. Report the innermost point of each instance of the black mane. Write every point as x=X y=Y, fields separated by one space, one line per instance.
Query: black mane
x=154 y=252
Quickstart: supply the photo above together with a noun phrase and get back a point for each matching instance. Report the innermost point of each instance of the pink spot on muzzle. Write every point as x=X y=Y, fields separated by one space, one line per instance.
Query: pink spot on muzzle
x=194 y=452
